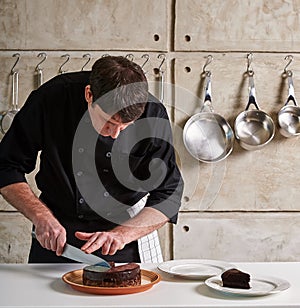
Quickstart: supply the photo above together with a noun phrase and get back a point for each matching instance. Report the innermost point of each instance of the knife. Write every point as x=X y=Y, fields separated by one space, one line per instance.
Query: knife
x=76 y=254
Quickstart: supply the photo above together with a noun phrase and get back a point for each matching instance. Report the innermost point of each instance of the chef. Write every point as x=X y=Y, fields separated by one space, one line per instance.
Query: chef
x=107 y=171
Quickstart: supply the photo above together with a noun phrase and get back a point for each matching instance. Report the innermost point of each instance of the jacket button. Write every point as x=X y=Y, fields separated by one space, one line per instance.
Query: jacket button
x=79 y=173
x=108 y=154
x=81 y=200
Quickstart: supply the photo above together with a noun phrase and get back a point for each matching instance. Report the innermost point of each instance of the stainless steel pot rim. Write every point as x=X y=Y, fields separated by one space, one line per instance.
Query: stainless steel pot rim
x=289 y=109
x=254 y=129
x=289 y=121
x=199 y=143
x=255 y=113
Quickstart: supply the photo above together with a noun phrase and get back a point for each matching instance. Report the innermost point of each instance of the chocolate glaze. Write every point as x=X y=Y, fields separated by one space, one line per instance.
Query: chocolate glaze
x=117 y=276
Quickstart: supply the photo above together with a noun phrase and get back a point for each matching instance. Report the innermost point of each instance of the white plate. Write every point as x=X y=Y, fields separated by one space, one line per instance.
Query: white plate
x=194 y=268
x=258 y=286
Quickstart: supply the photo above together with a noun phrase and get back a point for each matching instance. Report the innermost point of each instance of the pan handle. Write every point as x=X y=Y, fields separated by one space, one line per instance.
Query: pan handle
x=291 y=95
x=15 y=91
x=207 y=105
x=252 y=94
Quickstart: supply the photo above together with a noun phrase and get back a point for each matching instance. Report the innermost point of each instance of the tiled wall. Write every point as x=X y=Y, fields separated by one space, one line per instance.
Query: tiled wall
x=231 y=209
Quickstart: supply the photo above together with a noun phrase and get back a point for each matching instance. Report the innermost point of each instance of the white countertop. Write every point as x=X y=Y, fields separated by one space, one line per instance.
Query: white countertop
x=40 y=285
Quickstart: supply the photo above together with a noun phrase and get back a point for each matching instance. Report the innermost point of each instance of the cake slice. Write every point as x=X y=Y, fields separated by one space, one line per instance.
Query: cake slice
x=234 y=278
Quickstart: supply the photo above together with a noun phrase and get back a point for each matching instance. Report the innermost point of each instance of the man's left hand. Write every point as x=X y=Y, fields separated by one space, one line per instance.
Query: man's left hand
x=109 y=242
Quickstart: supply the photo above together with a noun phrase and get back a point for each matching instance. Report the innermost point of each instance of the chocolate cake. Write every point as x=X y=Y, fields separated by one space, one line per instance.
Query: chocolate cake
x=117 y=276
x=234 y=278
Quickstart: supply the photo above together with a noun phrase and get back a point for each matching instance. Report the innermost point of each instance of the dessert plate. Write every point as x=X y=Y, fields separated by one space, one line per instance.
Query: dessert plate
x=194 y=268
x=259 y=286
x=74 y=279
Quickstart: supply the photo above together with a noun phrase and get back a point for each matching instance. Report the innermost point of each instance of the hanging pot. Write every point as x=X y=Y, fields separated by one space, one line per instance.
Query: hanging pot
x=7 y=117
x=253 y=128
x=289 y=115
x=206 y=135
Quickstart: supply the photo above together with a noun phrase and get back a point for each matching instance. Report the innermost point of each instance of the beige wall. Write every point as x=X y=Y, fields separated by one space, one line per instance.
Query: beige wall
x=231 y=209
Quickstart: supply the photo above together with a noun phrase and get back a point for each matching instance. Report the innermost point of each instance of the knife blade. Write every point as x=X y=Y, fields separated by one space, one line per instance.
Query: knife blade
x=78 y=255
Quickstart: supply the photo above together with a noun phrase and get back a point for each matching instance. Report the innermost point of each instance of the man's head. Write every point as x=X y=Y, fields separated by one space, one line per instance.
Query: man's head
x=118 y=91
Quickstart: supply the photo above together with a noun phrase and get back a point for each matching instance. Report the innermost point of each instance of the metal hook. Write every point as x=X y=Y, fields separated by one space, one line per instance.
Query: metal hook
x=249 y=62
x=15 y=55
x=147 y=59
x=290 y=59
x=60 y=71
x=163 y=57
x=130 y=56
x=87 y=55
x=41 y=54
x=209 y=59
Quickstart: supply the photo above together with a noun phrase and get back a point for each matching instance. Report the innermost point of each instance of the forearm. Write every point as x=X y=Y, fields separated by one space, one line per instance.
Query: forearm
x=50 y=233
x=147 y=221
x=20 y=196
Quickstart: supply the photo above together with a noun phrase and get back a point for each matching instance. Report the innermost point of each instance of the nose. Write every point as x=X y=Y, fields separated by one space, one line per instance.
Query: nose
x=114 y=132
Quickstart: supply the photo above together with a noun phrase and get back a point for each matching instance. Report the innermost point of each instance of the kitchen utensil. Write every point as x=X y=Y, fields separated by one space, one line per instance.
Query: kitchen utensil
x=260 y=286
x=7 y=117
x=161 y=73
x=198 y=269
x=78 y=255
x=289 y=115
x=207 y=136
x=253 y=128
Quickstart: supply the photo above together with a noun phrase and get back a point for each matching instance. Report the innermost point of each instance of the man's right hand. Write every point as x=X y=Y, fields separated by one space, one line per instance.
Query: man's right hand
x=49 y=232
x=51 y=235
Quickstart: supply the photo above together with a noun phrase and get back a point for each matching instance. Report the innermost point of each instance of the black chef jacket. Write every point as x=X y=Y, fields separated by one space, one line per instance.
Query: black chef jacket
x=51 y=119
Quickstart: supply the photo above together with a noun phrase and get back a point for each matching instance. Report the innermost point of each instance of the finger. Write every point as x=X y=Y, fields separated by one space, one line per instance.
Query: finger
x=61 y=241
x=113 y=248
x=116 y=245
x=83 y=235
x=94 y=242
x=107 y=246
x=93 y=246
x=53 y=243
x=47 y=243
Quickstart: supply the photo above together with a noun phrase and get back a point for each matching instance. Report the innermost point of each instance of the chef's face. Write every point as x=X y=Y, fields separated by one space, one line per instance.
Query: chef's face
x=105 y=124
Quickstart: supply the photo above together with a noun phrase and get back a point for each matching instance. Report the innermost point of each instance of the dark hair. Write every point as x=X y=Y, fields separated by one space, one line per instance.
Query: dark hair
x=119 y=86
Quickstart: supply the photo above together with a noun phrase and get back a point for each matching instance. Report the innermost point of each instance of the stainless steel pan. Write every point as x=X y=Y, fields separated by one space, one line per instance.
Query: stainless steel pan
x=207 y=136
x=253 y=128
x=289 y=115
x=7 y=117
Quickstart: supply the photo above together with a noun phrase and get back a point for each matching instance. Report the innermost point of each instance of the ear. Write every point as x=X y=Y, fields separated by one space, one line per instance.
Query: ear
x=88 y=94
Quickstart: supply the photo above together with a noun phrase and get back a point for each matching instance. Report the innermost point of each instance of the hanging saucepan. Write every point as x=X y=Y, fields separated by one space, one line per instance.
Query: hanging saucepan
x=207 y=136
x=289 y=115
x=8 y=116
x=253 y=128
x=5 y=114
